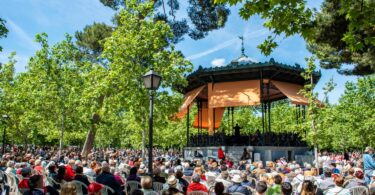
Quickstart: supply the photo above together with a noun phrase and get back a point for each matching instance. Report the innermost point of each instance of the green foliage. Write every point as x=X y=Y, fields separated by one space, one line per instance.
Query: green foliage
x=339 y=34
x=90 y=40
x=348 y=125
x=3 y=30
x=283 y=18
x=268 y=45
x=135 y=46
x=204 y=16
x=351 y=42
x=313 y=104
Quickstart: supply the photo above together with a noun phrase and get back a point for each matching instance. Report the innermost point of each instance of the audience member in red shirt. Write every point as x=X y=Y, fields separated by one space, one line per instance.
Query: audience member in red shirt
x=220 y=154
x=69 y=173
x=38 y=167
x=24 y=183
x=195 y=185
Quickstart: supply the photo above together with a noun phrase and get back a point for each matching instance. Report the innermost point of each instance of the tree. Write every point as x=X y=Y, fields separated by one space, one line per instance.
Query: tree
x=205 y=16
x=355 y=114
x=351 y=42
x=313 y=106
x=91 y=39
x=7 y=90
x=136 y=44
x=3 y=30
x=54 y=85
x=341 y=33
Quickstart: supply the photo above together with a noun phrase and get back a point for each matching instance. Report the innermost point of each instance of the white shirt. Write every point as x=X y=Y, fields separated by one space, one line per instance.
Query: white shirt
x=88 y=171
x=337 y=191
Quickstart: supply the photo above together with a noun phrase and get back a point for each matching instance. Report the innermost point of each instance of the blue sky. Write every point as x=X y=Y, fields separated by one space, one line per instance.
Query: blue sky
x=26 y=18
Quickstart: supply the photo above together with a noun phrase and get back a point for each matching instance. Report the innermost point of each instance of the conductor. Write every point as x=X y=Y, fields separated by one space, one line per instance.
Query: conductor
x=237 y=131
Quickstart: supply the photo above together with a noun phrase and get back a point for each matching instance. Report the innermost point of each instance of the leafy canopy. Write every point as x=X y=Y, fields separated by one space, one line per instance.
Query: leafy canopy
x=341 y=34
x=3 y=30
x=204 y=16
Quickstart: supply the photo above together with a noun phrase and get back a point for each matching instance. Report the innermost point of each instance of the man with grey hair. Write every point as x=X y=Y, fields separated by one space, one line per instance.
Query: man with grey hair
x=224 y=178
x=146 y=184
x=10 y=167
x=195 y=185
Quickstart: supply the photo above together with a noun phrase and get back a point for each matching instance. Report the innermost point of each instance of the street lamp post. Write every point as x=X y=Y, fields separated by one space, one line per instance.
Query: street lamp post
x=152 y=82
x=5 y=117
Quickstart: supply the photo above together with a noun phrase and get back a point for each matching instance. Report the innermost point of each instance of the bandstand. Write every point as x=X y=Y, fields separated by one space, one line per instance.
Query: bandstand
x=218 y=91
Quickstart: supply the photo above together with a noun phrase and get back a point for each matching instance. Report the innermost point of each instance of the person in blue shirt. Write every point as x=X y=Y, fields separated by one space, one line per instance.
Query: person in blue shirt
x=368 y=163
x=237 y=187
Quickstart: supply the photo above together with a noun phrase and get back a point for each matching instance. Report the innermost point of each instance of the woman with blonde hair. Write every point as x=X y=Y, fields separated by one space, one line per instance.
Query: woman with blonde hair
x=68 y=188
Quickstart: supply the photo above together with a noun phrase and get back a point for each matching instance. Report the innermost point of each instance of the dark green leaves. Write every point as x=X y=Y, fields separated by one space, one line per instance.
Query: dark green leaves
x=3 y=30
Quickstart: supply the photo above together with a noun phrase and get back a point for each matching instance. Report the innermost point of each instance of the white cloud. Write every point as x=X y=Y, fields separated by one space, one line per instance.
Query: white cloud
x=24 y=37
x=212 y=50
x=255 y=34
x=218 y=62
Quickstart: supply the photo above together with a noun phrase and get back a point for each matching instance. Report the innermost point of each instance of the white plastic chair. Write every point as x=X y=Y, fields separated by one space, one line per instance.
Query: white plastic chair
x=12 y=182
x=51 y=182
x=105 y=189
x=187 y=178
x=197 y=193
x=157 y=186
x=90 y=178
x=237 y=193
x=359 y=190
x=211 y=190
x=132 y=185
x=80 y=186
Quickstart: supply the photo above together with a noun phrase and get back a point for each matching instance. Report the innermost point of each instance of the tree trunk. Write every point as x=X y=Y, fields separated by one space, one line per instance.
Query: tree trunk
x=89 y=143
x=313 y=127
x=143 y=143
x=62 y=134
x=26 y=142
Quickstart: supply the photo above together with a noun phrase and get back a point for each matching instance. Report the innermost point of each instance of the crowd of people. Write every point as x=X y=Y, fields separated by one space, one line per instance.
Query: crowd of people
x=48 y=171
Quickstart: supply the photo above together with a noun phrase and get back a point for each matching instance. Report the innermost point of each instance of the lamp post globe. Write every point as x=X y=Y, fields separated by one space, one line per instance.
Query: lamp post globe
x=152 y=81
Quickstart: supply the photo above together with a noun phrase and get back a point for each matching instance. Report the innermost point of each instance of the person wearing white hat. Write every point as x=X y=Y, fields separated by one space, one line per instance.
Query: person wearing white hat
x=368 y=163
x=172 y=182
x=237 y=186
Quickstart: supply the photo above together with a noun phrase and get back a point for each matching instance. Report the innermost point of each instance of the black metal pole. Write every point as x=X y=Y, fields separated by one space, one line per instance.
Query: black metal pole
x=199 y=118
x=150 y=123
x=261 y=102
x=228 y=130
x=296 y=112
x=4 y=132
x=265 y=109
x=269 y=107
x=269 y=117
x=187 y=126
x=232 y=120
x=214 y=121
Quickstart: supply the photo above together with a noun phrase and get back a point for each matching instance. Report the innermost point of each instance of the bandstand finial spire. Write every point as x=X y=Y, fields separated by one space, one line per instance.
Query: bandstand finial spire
x=242 y=46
